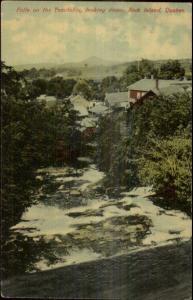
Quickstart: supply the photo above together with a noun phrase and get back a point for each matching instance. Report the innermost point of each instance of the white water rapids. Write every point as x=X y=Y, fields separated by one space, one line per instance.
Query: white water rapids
x=99 y=227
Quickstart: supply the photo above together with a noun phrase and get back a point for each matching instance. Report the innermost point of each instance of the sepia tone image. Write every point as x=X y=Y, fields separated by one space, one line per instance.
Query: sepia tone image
x=96 y=150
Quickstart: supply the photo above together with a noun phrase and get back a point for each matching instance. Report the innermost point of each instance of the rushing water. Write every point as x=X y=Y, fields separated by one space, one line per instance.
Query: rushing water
x=73 y=222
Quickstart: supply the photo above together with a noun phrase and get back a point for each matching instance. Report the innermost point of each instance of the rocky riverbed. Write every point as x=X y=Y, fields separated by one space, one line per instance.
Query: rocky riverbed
x=72 y=222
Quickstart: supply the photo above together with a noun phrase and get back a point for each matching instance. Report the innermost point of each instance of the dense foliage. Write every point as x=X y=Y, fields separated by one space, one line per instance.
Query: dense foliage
x=138 y=70
x=112 y=151
x=161 y=133
x=83 y=88
x=56 y=86
x=63 y=88
x=156 y=150
x=30 y=134
x=108 y=132
x=168 y=168
x=171 y=70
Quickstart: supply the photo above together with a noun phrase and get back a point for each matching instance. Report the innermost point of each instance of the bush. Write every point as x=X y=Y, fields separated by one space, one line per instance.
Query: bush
x=167 y=166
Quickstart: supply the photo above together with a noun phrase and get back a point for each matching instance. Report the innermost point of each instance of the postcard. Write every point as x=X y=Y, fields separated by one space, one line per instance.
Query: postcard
x=96 y=150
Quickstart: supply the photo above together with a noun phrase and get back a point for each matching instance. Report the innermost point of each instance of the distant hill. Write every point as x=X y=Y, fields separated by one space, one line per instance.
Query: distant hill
x=94 y=67
x=91 y=61
x=35 y=65
x=96 y=61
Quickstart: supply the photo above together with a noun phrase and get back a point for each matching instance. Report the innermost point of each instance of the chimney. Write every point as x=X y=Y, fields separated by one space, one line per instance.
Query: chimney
x=157 y=84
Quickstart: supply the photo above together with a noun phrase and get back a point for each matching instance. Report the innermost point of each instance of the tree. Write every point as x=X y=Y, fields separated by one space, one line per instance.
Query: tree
x=146 y=68
x=156 y=151
x=30 y=133
x=167 y=167
x=33 y=73
x=17 y=148
x=97 y=92
x=160 y=147
x=82 y=88
x=133 y=68
x=130 y=75
x=38 y=87
x=172 y=69
x=108 y=135
x=110 y=84
x=59 y=87
x=55 y=87
x=68 y=86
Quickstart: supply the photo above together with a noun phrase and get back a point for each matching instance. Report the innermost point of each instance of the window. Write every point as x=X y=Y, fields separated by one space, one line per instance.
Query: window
x=138 y=95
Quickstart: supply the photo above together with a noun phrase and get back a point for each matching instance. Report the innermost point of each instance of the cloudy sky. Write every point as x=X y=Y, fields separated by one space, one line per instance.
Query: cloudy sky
x=58 y=36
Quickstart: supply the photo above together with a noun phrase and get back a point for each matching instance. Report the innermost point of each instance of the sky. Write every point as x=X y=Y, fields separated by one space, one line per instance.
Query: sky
x=73 y=31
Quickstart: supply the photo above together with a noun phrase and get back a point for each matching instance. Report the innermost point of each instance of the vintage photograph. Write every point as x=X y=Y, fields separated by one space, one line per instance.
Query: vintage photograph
x=96 y=138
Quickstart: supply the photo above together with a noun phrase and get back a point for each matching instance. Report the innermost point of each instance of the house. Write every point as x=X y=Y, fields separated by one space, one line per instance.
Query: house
x=88 y=122
x=144 y=88
x=49 y=100
x=88 y=133
x=88 y=128
x=99 y=109
x=80 y=104
x=117 y=100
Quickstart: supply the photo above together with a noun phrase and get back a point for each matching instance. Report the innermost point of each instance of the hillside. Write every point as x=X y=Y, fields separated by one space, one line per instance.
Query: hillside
x=94 y=67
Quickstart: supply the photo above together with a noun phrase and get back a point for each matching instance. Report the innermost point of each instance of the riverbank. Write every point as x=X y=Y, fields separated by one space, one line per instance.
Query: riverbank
x=159 y=273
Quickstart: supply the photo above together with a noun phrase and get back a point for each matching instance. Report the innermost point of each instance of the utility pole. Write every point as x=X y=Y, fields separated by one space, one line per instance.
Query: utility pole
x=138 y=62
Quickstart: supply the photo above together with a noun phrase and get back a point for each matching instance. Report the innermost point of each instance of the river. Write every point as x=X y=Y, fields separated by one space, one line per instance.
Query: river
x=72 y=222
